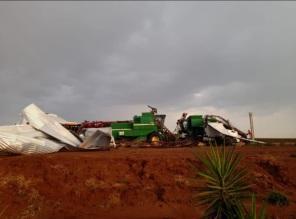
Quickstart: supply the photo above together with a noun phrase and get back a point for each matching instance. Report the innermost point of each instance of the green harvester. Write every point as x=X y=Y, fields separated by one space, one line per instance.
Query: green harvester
x=147 y=126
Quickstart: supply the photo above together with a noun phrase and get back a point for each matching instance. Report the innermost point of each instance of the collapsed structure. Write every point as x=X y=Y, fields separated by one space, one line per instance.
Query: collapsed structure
x=39 y=132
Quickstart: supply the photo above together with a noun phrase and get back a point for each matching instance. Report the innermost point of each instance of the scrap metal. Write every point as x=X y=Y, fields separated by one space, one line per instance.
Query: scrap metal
x=40 y=133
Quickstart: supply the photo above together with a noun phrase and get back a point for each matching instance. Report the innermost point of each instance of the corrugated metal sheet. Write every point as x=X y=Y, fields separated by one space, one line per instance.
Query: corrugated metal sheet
x=107 y=130
x=221 y=129
x=19 y=144
x=25 y=130
x=49 y=125
x=40 y=133
x=97 y=140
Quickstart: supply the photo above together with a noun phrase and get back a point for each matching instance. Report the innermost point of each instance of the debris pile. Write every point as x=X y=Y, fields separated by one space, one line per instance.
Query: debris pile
x=39 y=133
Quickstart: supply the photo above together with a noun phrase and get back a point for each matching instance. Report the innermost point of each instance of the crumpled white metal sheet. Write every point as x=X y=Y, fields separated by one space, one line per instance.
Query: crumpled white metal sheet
x=20 y=144
x=98 y=140
x=107 y=130
x=24 y=130
x=57 y=118
x=219 y=127
x=232 y=133
x=40 y=133
x=49 y=125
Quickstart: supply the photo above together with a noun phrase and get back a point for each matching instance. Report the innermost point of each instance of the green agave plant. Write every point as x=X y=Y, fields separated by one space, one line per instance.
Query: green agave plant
x=226 y=184
x=226 y=187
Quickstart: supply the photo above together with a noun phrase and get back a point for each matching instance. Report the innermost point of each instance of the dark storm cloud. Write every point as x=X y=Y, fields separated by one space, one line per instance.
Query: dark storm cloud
x=54 y=53
x=108 y=59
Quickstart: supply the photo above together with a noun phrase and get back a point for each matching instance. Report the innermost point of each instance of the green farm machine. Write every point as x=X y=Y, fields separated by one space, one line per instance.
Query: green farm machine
x=149 y=127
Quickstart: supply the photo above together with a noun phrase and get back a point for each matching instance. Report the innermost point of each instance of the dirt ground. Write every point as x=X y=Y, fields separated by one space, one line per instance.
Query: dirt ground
x=131 y=183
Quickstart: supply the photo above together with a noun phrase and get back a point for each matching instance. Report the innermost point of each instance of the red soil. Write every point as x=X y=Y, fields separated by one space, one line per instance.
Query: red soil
x=130 y=183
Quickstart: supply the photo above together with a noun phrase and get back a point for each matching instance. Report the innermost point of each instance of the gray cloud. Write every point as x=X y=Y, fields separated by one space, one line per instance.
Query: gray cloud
x=105 y=60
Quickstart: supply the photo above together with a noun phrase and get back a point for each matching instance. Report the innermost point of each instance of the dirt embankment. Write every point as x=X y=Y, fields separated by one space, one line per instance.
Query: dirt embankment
x=130 y=183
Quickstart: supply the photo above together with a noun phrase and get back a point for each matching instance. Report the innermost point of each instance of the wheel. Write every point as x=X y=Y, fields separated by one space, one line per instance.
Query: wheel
x=154 y=138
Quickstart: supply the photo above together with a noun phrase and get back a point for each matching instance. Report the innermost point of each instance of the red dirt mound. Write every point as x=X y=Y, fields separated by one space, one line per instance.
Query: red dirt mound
x=129 y=183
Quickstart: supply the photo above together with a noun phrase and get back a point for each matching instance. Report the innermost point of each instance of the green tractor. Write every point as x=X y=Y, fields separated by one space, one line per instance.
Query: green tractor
x=149 y=126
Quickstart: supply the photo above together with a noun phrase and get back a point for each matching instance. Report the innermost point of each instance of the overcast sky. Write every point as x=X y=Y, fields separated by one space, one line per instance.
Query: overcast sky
x=107 y=60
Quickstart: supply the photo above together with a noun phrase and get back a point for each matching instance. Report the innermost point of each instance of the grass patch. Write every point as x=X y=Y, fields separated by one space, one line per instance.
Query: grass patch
x=277 y=198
